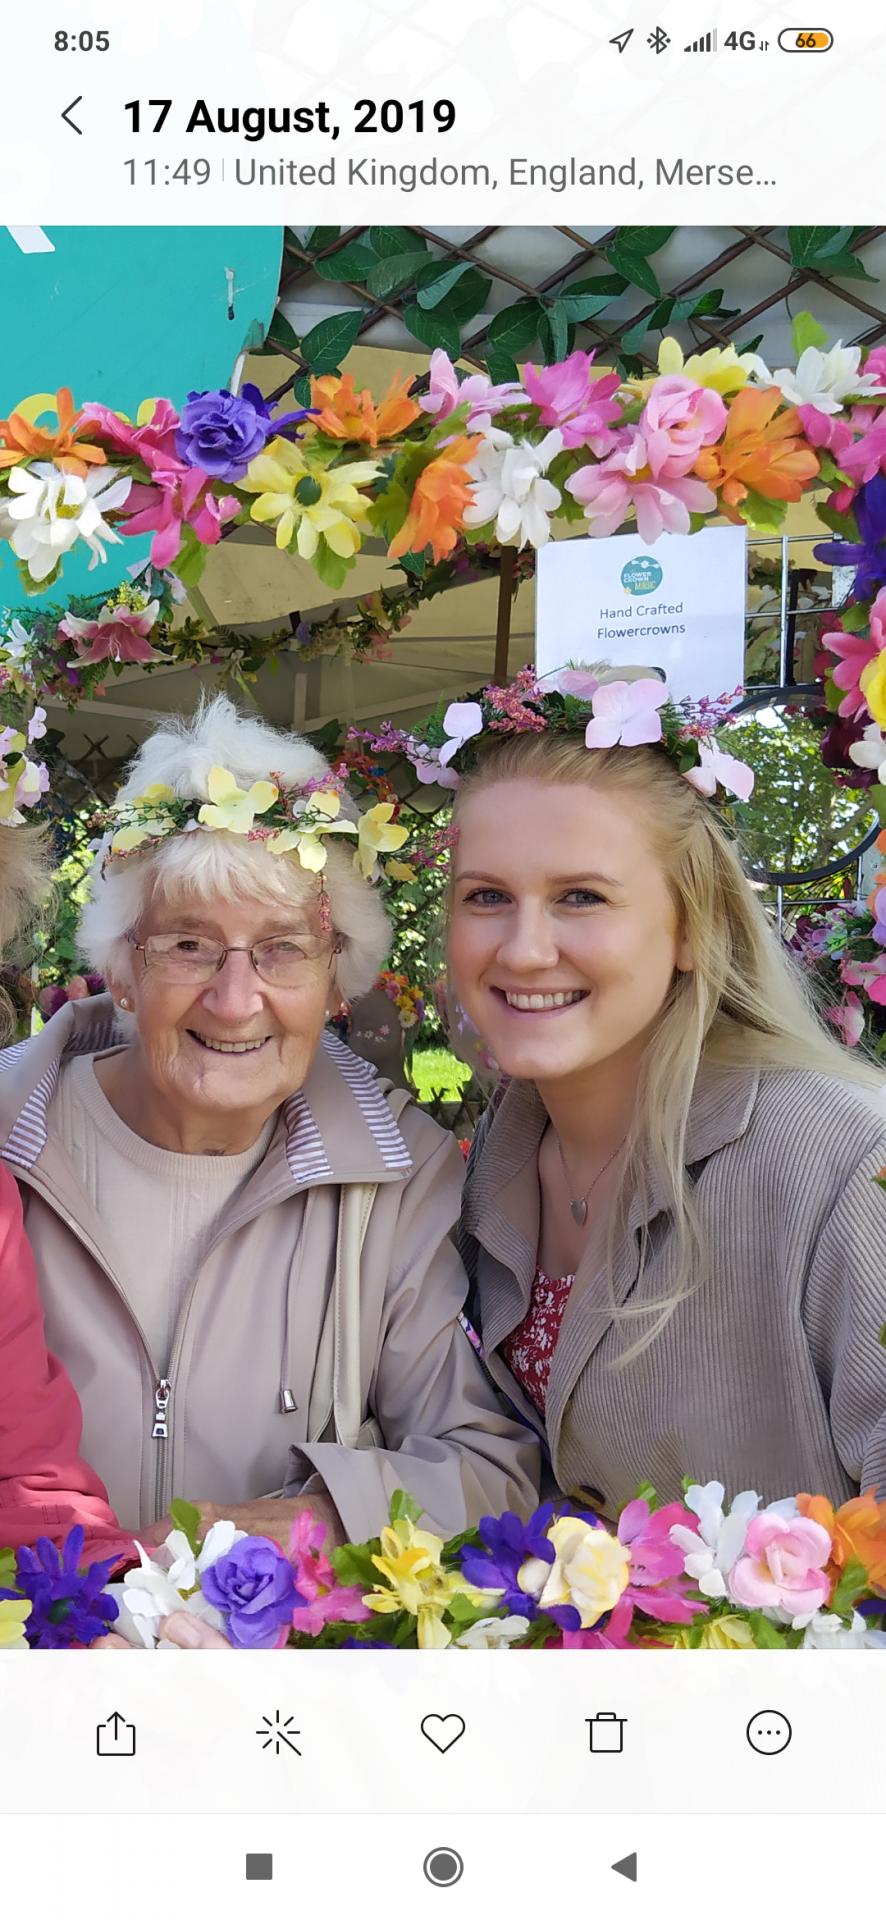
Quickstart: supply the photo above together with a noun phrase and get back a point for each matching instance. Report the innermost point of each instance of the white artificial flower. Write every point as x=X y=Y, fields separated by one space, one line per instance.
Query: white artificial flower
x=713 y=1551
x=509 y=487
x=462 y=719
x=154 y=1589
x=52 y=510
x=870 y=751
x=488 y=1636
x=16 y=640
x=822 y=380
x=826 y=1633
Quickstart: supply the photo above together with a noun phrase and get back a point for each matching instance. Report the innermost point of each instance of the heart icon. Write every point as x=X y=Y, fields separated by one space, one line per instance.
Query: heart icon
x=442 y=1730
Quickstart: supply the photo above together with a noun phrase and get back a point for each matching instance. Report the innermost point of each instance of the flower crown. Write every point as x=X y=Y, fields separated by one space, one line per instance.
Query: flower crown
x=612 y=706
x=295 y=819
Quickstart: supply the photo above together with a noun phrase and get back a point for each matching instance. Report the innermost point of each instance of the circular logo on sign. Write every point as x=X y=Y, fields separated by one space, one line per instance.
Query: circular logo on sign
x=642 y=575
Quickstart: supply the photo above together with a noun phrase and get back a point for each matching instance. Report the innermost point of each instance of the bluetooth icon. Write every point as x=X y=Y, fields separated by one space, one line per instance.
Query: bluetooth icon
x=659 y=41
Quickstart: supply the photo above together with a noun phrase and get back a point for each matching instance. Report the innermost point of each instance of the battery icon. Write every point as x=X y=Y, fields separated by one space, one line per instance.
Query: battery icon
x=805 y=39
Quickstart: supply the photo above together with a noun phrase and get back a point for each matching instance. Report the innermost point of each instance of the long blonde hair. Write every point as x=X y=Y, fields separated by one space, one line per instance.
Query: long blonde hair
x=744 y=1004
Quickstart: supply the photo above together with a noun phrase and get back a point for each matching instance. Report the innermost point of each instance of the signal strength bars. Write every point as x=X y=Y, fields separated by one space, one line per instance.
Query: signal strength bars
x=707 y=43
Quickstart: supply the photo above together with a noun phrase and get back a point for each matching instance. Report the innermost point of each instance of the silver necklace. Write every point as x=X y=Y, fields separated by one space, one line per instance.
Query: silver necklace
x=579 y=1208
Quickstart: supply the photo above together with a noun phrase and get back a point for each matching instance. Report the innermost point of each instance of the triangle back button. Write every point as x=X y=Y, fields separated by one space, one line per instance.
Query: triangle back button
x=627 y=1867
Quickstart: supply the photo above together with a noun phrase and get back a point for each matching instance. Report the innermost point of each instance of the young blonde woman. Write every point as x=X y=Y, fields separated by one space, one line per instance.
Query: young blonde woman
x=677 y=1249
x=45 y=1487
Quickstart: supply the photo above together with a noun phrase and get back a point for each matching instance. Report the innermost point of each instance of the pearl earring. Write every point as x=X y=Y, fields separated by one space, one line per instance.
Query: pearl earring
x=123 y=1001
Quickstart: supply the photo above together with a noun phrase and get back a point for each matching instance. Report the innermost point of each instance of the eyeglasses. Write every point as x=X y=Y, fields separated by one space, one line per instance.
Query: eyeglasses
x=283 y=960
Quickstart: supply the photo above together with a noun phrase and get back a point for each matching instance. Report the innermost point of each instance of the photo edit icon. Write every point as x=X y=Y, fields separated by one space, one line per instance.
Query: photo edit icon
x=259 y=1866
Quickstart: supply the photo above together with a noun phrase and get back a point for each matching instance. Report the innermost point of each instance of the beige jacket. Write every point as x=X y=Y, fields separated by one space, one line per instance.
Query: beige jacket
x=771 y=1374
x=251 y=1320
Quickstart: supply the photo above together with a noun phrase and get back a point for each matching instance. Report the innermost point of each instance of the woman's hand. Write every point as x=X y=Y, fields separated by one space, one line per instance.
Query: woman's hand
x=274 y=1518
x=185 y=1630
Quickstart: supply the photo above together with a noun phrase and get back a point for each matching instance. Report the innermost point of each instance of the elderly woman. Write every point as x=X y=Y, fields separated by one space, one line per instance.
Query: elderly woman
x=242 y=1245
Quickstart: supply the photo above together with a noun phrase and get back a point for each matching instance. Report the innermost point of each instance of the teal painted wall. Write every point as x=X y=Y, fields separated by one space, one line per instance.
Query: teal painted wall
x=119 y=314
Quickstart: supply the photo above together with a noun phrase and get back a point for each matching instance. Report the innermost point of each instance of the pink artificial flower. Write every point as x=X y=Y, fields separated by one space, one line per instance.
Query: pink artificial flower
x=445 y=393
x=575 y=680
x=782 y=1565
x=425 y=764
x=316 y=1581
x=716 y=766
x=868 y=455
x=848 y=1019
x=626 y=478
x=613 y=1638
x=582 y=406
x=875 y=364
x=154 y=443
x=868 y=974
x=855 y=653
x=826 y=430
x=680 y=418
x=656 y=1581
x=625 y=714
x=877 y=904
x=179 y=496
x=119 y=633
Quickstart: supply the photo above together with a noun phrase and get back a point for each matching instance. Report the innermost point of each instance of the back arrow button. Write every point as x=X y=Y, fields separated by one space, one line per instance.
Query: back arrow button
x=69 y=110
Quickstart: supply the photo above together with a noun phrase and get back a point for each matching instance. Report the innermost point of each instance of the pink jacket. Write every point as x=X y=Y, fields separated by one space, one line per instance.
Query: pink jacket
x=45 y=1487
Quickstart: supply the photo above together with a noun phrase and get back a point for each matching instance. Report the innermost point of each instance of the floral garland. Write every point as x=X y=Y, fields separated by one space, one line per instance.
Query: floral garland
x=408 y=1000
x=843 y=949
x=717 y=433
x=796 y=1574
x=285 y=819
x=611 y=706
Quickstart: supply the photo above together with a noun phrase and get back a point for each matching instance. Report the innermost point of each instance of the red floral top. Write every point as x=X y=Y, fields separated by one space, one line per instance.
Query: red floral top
x=529 y=1350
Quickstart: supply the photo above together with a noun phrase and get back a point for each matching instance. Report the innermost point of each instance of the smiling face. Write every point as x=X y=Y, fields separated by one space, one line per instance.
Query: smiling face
x=224 y=1054
x=563 y=935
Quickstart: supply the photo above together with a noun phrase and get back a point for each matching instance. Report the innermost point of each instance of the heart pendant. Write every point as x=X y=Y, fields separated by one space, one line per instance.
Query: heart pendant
x=579 y=1211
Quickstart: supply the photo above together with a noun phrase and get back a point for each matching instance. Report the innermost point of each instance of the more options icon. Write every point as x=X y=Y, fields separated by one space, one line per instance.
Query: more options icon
x=769 y=1732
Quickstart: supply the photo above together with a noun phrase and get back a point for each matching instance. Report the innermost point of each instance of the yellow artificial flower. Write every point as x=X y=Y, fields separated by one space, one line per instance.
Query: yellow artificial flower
x=873 y=686
x=306 y=843
x=720 y=367
x=399 y=870
x=13 y=1614
x=15 y=744
x=233 y=810
x=729 y=1634
x=154 y=794
x=410 y=1562
x=304 y=499
x=376 y=835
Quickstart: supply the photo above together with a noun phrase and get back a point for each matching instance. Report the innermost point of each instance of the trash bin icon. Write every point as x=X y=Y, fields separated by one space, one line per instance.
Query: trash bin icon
x=607 y=1732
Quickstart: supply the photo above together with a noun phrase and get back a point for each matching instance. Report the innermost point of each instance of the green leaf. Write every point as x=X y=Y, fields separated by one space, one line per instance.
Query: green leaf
x=583 y=306
x=881 y=1337
x=558 y=321
x=601 y=286
x=403 y=1507
x=764 y=516
x=280 y=333
x=431 y=294
x=806 y=243
x=750 y=346
x=390 y=240
x=327 y=343
x=350 y=263
x=643 y=239
x=320 y=237
x=188 y=1521
x=635 y=336
x=331 y=568
x=439 y=329
x=709 y=302
x=853 y=1583
x=845 y=266
x=413 y=563
x=765 y=1632
x=470 y=295
x=515 y=328
x=190 y=560
x=397 y=271
x=877 y=798
x=352 y=1565
x=7 y=1567
x=843 y=238
x=635 y=268
x=807 y=332
x=301 y=389
x=501 y=368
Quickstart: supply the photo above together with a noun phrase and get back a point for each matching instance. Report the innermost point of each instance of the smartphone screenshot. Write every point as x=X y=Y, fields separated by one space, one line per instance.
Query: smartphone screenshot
x=442 y=955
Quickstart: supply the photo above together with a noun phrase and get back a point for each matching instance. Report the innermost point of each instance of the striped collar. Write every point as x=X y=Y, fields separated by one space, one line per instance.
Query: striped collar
x=339 y=1126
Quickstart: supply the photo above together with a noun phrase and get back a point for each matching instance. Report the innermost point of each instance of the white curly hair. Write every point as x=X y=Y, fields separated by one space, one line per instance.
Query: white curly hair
x=203 y=866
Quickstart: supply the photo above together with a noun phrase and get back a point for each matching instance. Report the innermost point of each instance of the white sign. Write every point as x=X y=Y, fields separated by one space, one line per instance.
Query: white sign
x=678 y=605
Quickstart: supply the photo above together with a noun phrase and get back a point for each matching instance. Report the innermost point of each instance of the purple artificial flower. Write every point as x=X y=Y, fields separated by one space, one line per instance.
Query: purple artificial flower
x=509 y=1543
x=68 y=1608
x=838 y=737
x=254 y=1587
x=869 y=507
x=221 y=432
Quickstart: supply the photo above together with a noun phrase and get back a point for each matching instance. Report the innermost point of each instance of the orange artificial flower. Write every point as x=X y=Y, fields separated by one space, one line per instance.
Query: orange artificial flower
x=348 y=415
x=771 y=456
x=857 y=1530
x=439 y=498
x=21 y=440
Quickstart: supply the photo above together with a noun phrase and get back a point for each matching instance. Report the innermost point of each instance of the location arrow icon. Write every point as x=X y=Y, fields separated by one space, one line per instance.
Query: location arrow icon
x=69 y=110
x=620 y=40
x=626 y=1867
